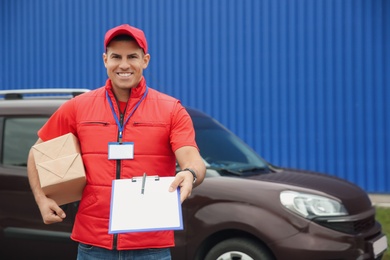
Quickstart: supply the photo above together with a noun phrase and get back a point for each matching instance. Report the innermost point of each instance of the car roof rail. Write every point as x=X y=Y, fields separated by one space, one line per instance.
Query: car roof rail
x=41 y=93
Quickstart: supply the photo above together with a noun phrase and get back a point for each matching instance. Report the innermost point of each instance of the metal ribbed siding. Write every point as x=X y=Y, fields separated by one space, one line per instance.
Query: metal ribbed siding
x=306 y=83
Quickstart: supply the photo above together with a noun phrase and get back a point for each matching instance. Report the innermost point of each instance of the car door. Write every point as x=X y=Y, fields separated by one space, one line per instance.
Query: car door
x=23 y=235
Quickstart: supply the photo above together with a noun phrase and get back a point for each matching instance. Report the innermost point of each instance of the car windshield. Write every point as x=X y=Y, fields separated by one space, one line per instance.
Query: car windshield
x=222 y=150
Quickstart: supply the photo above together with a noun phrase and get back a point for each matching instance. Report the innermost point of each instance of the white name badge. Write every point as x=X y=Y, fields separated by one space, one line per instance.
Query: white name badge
x=119 y=151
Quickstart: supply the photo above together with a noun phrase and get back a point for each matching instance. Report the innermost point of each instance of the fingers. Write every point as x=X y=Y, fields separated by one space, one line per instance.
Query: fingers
x=184 y=181
x=185 y=193
x=51 y=212
x=53 y=215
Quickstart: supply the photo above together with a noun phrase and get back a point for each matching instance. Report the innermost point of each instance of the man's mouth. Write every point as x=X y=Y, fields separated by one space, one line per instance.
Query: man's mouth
x=124 y=74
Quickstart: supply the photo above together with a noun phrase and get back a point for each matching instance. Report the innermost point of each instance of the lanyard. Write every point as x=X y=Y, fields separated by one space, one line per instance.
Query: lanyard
x=121 y=127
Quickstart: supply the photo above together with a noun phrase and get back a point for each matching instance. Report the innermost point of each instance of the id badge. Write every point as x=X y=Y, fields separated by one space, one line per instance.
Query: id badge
x=119 y=151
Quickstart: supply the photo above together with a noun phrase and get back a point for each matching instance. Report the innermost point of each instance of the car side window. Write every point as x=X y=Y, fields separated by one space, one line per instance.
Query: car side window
x=20 y=133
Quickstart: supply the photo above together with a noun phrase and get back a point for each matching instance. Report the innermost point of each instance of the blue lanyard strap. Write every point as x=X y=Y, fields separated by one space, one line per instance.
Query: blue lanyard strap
x=121 y=127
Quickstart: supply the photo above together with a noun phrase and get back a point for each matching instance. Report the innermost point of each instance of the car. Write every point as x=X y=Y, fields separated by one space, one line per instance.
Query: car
x=246 y=208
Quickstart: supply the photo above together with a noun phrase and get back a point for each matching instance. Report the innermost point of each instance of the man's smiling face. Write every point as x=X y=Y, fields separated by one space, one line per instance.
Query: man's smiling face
x=125 y=62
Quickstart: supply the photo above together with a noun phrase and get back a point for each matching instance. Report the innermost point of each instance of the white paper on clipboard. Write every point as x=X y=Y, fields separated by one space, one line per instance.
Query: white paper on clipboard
x=155 y=209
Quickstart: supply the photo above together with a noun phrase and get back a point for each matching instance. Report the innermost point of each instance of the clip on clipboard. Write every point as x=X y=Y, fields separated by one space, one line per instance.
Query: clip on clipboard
x=144 y=204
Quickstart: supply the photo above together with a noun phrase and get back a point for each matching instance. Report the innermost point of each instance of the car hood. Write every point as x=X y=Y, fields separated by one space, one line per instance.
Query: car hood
x=353 y=197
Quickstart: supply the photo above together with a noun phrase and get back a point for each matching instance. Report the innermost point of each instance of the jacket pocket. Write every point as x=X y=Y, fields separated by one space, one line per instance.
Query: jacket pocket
x=150 y=124
x=88 y=200
x=94 y=123
x=150 y=137
x=95 y=135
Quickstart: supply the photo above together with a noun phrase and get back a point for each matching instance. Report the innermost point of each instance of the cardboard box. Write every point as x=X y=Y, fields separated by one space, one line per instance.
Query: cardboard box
x=60 y=168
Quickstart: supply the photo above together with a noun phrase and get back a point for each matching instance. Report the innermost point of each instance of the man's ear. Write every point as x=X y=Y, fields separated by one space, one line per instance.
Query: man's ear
x=146 y=60
x=105 y=59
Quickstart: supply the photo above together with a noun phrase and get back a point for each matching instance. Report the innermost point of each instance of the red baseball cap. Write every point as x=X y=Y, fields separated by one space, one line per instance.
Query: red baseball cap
x=126 y=29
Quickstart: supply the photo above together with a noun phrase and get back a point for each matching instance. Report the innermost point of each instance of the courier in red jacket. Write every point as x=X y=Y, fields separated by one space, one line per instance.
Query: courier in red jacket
x=125 y=110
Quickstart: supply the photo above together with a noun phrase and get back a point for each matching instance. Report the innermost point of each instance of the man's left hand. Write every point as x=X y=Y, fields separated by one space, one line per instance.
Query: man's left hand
x=183 y=180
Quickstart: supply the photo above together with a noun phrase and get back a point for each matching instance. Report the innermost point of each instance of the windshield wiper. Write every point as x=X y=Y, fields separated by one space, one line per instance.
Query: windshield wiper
x=240 y=171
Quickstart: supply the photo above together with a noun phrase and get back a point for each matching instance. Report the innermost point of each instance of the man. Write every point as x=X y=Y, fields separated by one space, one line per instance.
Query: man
x=124 y=110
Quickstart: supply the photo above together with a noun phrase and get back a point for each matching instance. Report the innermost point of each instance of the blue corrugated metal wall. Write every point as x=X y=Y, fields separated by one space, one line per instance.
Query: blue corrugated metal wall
x=304 y=82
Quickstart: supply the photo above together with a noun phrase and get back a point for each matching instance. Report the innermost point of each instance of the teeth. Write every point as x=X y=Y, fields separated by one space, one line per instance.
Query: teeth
x=124 y=74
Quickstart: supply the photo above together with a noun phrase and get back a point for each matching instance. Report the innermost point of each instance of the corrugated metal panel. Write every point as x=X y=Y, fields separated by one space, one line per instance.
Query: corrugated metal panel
x=304 y=82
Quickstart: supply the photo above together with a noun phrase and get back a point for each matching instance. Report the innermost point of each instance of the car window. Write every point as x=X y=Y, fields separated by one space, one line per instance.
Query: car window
x=221 y=148
x=19 y=135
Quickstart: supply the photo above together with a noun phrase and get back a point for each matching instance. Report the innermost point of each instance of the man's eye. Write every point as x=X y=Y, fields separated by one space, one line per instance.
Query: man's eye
x=115 y=56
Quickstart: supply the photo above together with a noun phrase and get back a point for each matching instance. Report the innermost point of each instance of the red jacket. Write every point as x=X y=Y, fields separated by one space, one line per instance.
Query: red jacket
x=158 y=127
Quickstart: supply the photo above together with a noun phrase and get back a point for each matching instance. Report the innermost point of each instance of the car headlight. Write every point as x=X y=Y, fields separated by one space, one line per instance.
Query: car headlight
x=309 y=205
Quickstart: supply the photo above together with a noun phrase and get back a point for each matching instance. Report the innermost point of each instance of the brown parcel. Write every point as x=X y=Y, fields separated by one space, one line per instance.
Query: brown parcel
x=60 y=168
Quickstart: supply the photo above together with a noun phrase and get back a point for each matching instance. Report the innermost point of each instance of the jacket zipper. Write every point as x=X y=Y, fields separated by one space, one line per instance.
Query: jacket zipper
x=94 y=123
x=118 y=171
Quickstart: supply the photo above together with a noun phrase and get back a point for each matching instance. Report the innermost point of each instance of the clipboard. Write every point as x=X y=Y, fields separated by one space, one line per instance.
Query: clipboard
x=142 y=204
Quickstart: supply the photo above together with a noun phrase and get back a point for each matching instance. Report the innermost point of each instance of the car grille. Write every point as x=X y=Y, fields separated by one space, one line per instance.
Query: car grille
x=352 y=227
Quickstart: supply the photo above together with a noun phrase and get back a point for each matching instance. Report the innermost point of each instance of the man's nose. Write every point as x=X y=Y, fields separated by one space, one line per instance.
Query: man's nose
x=124 y=64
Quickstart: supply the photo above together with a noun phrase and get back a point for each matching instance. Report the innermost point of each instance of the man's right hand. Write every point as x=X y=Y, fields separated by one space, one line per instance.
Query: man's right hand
x=50 y=211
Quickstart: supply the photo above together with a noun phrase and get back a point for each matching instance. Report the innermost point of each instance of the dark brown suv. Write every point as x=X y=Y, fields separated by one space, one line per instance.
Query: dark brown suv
x=245 y=209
